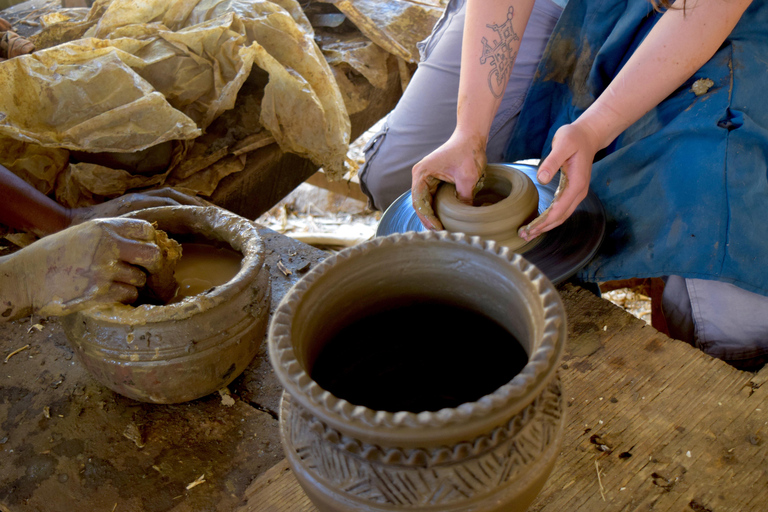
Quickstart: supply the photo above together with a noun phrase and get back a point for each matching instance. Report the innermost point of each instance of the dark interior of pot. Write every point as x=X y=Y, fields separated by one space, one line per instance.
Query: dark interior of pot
x=419 y=354
x=495 y=188
x=414 y=334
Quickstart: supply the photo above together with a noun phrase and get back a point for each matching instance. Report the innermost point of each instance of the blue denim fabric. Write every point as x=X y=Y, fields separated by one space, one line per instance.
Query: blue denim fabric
x=686 y=187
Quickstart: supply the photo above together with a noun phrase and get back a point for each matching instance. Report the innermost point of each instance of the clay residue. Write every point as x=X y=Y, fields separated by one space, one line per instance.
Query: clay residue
x=702 y=86
x=161 y=285
x=569 y=63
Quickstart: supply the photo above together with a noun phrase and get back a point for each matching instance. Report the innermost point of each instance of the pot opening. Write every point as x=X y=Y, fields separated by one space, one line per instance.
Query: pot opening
x=203 y=265
x=495 y=189
x=416 y=354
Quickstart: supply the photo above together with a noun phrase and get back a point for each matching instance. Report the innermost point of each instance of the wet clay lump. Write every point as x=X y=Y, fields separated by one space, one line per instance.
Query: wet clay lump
x=161 y=285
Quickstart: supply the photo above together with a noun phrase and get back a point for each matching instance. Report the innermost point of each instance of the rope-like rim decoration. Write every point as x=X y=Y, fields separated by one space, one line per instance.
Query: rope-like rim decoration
x=542 y=362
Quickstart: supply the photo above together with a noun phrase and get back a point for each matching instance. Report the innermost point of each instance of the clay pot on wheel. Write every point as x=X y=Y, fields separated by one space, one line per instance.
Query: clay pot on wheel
x=492 y=452
x=181 y=351
x=507 y=200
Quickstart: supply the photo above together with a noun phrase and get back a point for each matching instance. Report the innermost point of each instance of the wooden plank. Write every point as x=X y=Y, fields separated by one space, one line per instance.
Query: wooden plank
x=349 y=188
x=277 y=491
x=668 y=427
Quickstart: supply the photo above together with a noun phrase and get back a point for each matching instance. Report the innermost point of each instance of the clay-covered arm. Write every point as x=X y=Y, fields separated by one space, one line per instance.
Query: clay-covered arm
x=91 y=263
x=683 y=40
x=24 y=207
x=484 y=74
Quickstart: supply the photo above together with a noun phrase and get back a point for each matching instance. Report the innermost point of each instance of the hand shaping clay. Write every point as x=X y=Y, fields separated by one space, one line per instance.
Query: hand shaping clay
x=507 y=200
x=161 y=285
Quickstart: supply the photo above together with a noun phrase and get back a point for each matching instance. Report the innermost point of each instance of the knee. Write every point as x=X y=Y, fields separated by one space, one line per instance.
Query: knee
x=383 y=176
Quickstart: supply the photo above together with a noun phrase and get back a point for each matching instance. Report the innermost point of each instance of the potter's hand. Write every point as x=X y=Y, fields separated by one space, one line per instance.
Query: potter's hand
x=459 y=161
x=136 y=201
x=573 y=151
x=91 y=263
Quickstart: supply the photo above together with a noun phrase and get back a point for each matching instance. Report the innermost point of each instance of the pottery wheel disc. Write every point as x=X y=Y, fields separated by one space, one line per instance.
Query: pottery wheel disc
x=561 y=252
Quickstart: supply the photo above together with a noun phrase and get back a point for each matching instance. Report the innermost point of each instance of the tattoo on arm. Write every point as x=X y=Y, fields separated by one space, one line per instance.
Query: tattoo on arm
x=500 y=55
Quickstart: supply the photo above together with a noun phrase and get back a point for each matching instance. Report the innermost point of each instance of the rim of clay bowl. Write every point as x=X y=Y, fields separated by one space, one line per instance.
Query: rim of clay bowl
x=383 y=426
x=214 y=223
x=470 y=214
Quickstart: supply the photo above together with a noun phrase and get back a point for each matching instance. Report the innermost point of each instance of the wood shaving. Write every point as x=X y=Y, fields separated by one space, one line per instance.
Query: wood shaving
x=25 y=347
x=285 y=270
x=600 y=481
x=200 y=480
x=133 y=433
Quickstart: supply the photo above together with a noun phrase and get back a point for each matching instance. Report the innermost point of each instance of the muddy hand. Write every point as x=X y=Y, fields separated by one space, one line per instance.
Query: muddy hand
x=573 y=150
x=136 y=201
x=91 y=263
x=458 y=161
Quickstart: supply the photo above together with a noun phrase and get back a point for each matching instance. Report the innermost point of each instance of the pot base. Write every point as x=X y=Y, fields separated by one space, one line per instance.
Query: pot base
x=340 y=474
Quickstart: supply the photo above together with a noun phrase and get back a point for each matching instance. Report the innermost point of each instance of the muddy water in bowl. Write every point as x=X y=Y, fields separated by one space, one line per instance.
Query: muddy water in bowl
x=187 y=349
x=202 y=267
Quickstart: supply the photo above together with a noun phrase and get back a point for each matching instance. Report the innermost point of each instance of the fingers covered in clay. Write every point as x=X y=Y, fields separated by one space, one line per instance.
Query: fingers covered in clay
x=96 y=262
x=573 y=151
x=461 y=161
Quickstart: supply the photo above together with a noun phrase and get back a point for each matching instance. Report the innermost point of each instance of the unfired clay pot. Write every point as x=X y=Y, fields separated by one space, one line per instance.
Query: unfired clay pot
x=181 y=351
x=507 y=200
x=491 y=454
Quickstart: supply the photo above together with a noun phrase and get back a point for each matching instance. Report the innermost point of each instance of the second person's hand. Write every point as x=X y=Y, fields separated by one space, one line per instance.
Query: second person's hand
x=573 y=151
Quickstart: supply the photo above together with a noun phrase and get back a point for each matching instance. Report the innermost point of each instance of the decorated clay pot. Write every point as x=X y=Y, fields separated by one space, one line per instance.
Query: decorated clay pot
x=491 y=453
x=181 y=351
x=507 y=200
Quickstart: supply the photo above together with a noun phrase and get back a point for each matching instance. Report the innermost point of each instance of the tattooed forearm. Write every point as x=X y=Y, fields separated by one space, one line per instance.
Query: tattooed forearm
x=500 y=55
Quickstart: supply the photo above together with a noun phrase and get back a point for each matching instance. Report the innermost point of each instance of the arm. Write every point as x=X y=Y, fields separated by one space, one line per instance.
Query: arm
x=484 y=76
x=681 y=42
x=24 y=207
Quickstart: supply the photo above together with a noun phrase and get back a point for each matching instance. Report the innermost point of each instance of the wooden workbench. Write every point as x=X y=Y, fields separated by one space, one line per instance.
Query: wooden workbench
x=652 y=424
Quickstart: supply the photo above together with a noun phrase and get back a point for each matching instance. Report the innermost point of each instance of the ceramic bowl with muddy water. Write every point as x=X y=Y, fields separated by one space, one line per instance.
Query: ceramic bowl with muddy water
x=186 y=349
x=420 y=374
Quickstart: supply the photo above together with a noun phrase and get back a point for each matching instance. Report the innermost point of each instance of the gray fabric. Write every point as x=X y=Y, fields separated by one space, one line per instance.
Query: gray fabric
x=721 y=319
x=676 y=305
x=425 y=116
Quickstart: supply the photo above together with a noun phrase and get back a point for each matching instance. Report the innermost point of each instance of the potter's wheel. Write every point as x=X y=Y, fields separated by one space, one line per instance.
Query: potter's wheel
x=561 y=252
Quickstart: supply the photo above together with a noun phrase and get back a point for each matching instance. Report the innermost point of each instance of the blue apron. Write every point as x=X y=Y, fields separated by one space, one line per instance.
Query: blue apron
x=685 y=188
